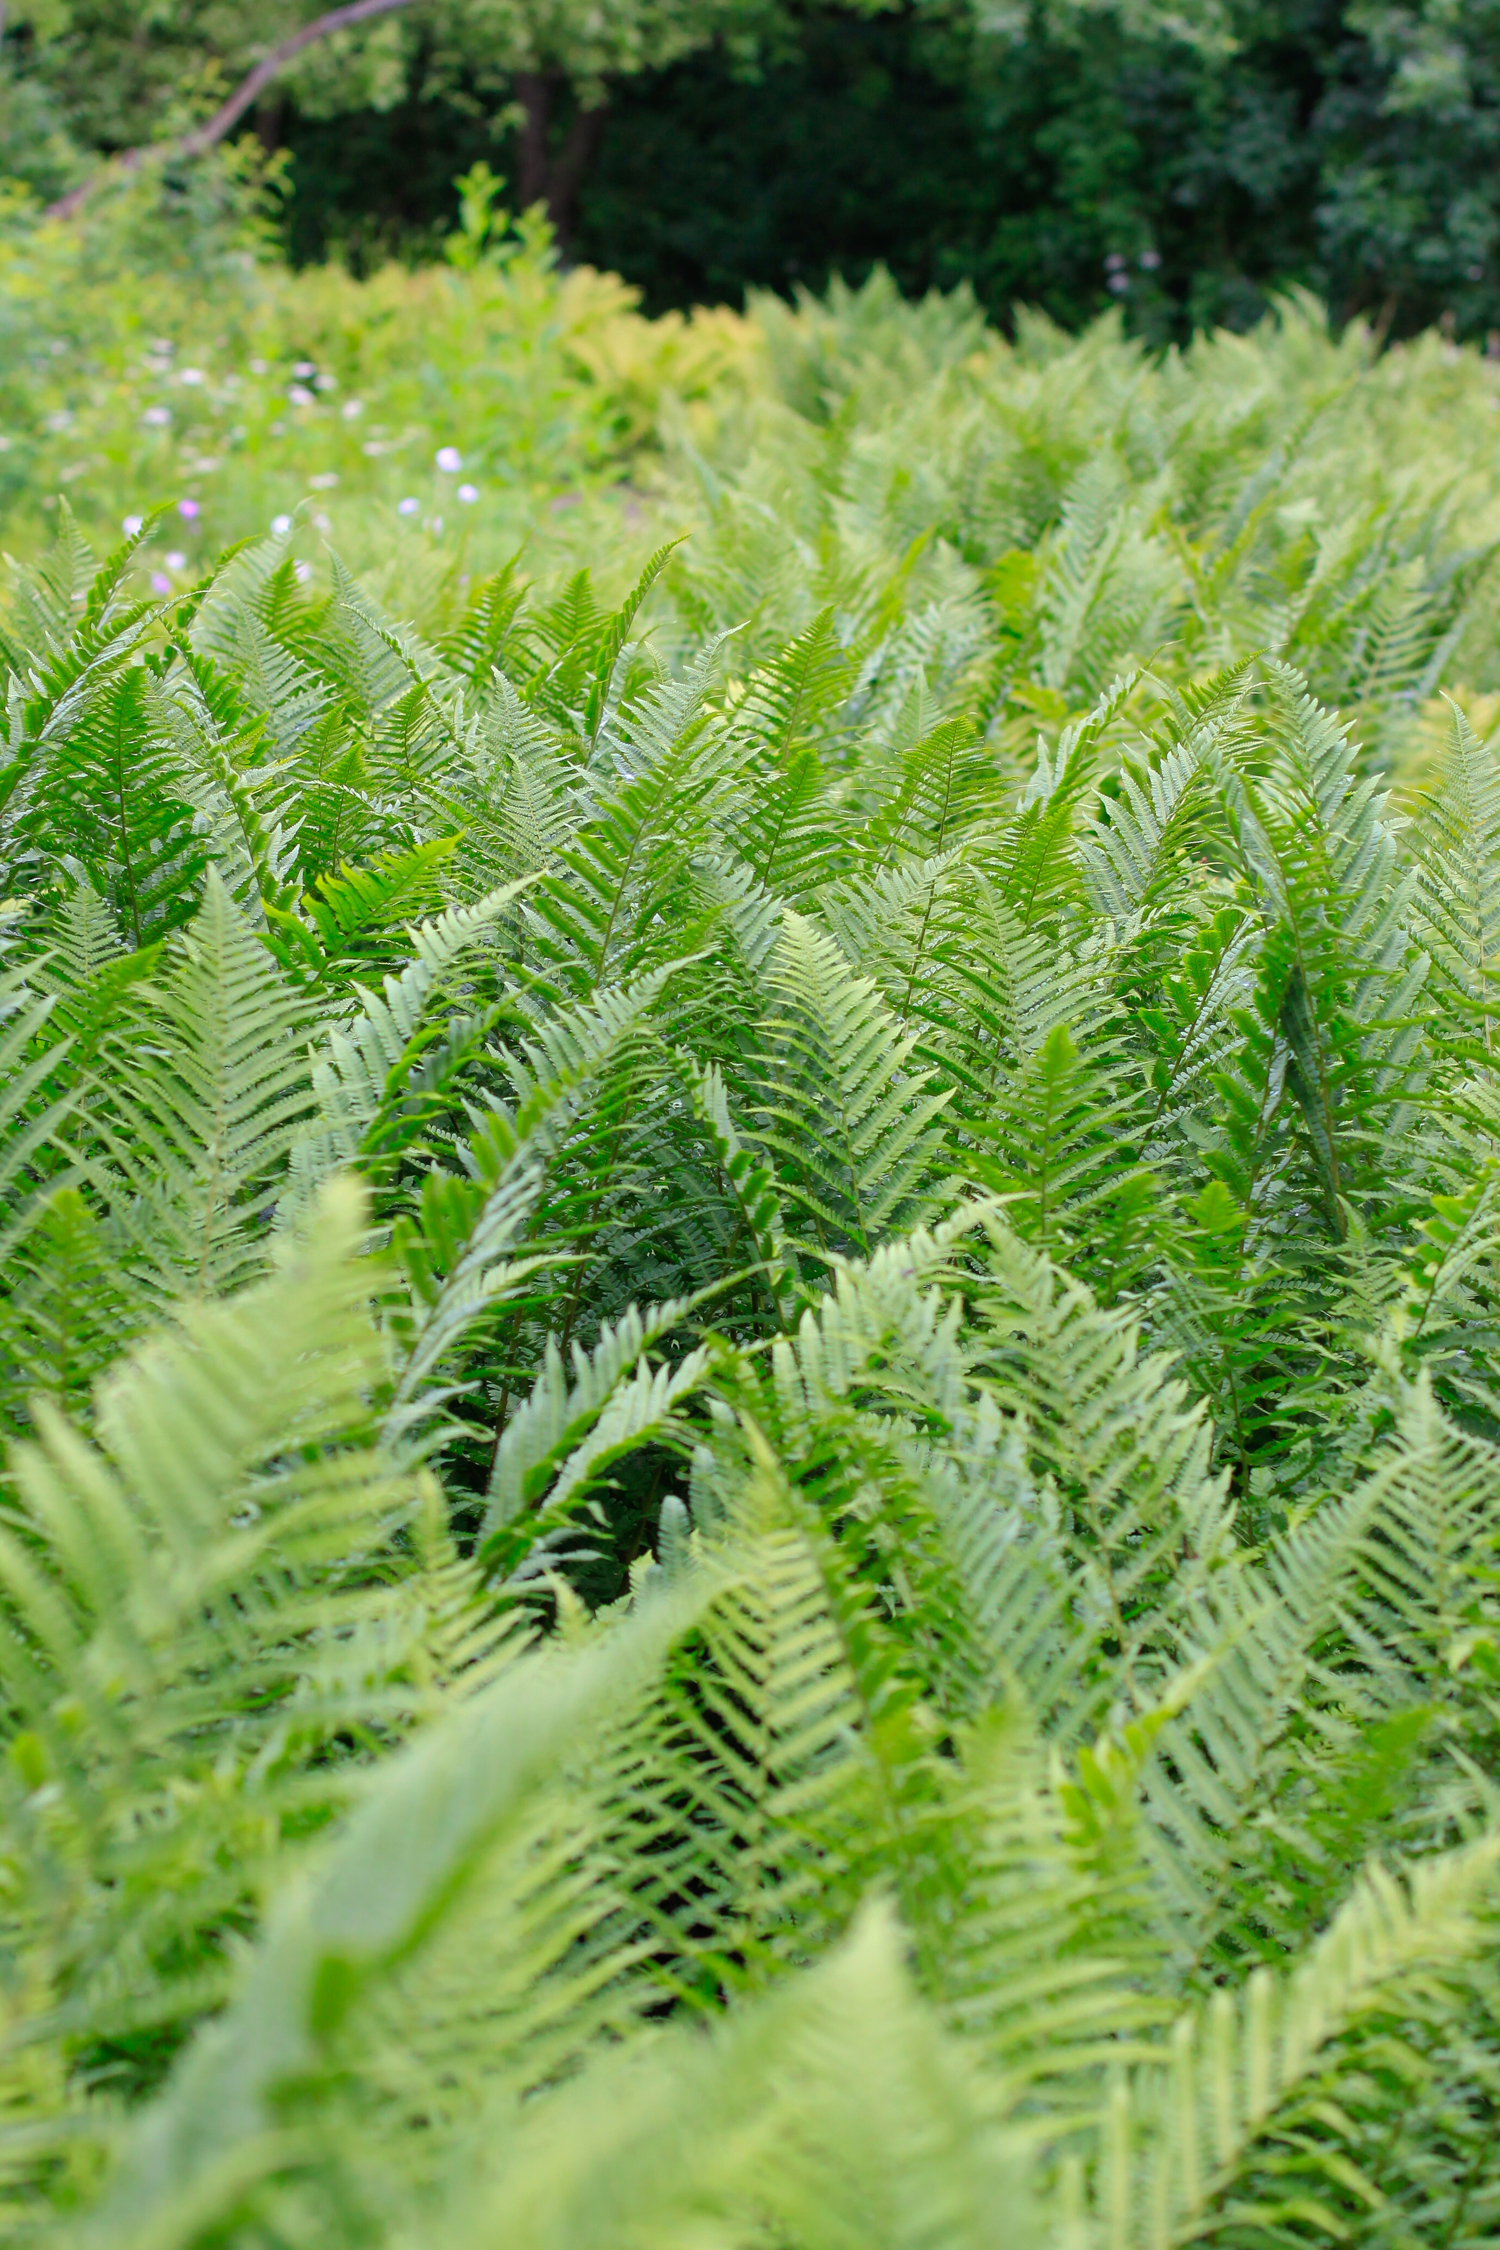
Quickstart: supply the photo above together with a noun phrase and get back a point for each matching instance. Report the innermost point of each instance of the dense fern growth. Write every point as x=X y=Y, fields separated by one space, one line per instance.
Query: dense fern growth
x=748 y=1349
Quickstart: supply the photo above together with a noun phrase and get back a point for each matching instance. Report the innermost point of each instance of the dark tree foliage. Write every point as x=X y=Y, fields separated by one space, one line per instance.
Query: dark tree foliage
x=1042 y=170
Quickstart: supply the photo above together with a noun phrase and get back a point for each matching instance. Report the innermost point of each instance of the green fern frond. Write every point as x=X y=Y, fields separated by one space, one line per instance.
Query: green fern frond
x=847 y=1123
x=176 y=1592
x=201 y=1125
x=1458 y=887
x=1180 y=2137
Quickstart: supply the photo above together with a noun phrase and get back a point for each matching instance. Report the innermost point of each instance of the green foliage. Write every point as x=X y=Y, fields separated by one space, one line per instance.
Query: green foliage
x=157 y=350
x=1191 y=162
x=1051 y=155
x=126 y=76
x=749 y=1350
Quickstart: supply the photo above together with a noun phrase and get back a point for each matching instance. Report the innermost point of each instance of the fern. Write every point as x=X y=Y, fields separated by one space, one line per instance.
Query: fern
x=750 y=1337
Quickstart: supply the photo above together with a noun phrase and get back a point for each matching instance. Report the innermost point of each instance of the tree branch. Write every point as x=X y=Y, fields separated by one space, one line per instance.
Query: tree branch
x=207 y=135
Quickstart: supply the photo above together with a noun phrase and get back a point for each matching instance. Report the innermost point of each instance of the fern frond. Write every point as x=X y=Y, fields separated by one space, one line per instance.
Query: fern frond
x=176 y=1591
x=847 y=1123
x=1242 y=2067
x=1458 y=884
x=32 y=1108
x=203 y=1121
x=454 y=1814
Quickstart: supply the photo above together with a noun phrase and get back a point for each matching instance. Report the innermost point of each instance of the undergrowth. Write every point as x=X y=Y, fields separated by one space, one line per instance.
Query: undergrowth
x=749 y=1340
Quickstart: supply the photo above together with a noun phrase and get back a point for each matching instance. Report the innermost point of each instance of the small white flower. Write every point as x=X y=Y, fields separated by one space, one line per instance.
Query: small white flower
x=449 y=460
x=302 y=571
x=280 y=526
x=157 y=417
x=434 y=525
x=59 y=422
x=175 y=561
x=192 y=375
x=468 y=493
x=407 y=507
x=302 y=368
x=324 y=483
x=259 y=367
x=325 y=382
x=373 y=447
x=300 y=395
x=352 y=409
x=132 y=525
x=322 y=523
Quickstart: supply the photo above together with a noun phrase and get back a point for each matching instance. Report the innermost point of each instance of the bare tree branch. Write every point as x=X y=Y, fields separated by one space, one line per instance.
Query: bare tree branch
x=213 y=129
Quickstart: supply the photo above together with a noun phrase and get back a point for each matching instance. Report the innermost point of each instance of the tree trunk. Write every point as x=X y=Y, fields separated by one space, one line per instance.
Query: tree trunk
x=270 y=116
x=573 y=160
x=534 y=93
x=541 y=176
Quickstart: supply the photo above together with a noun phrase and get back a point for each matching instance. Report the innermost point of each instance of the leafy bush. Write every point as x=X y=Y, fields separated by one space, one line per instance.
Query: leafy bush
x=750 y=1342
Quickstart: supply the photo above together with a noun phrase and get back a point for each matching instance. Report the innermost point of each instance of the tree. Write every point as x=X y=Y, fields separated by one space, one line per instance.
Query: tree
x=193 y=78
